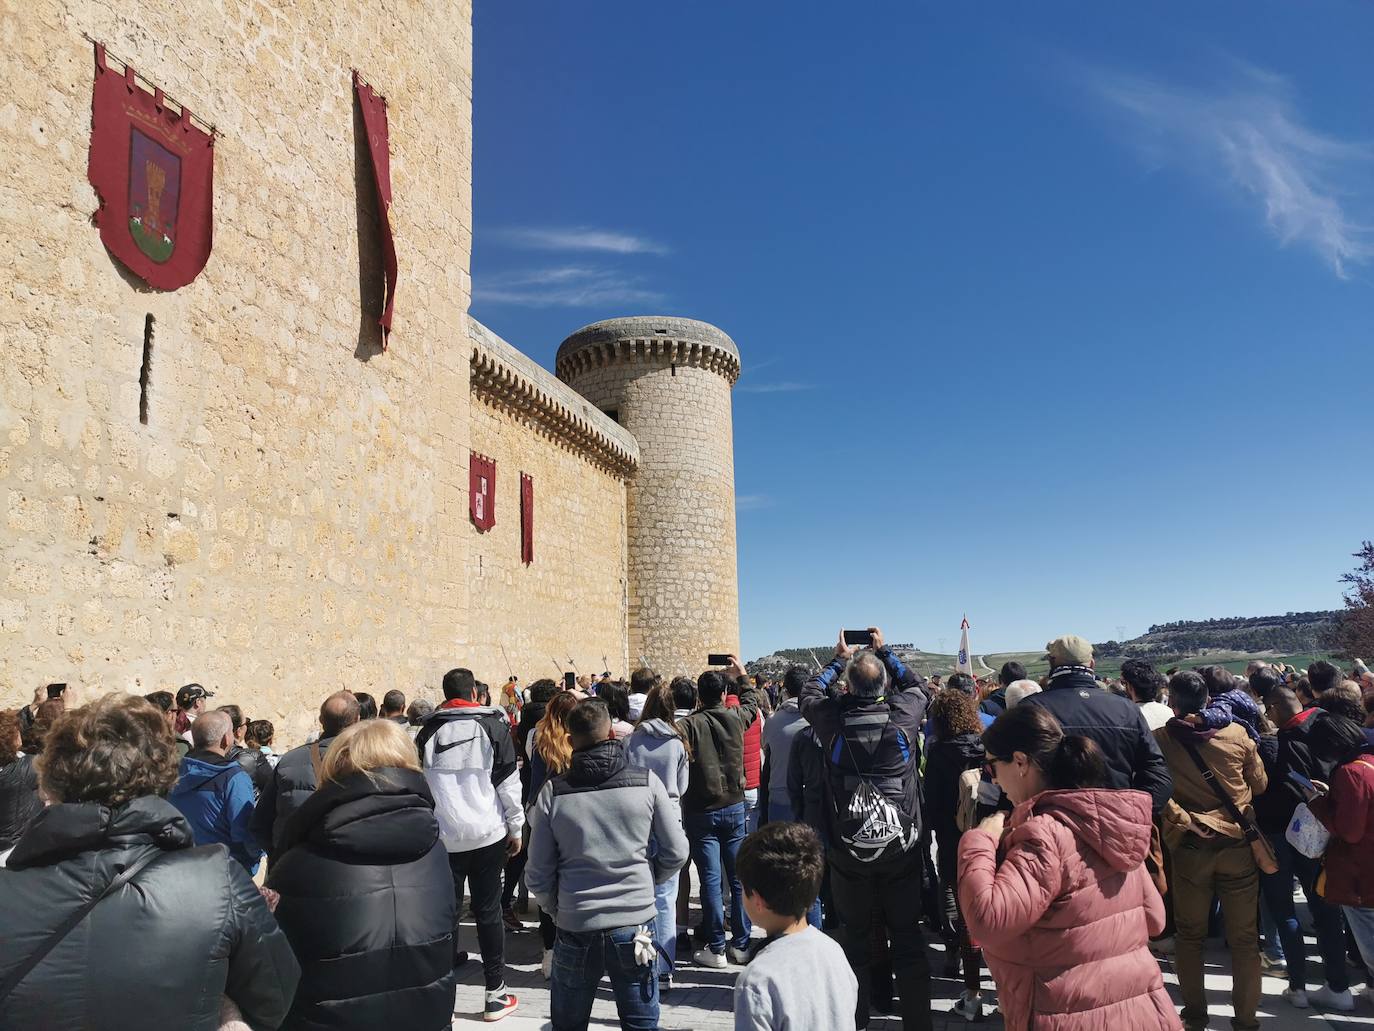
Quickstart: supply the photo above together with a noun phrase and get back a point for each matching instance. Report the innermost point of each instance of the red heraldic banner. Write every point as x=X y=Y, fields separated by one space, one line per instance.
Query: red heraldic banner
x=526 y=518
x=373 y=106
x=482 y=491
x=154 y=173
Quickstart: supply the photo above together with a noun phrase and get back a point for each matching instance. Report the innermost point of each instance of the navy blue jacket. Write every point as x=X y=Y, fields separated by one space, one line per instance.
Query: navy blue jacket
x=1117 y=726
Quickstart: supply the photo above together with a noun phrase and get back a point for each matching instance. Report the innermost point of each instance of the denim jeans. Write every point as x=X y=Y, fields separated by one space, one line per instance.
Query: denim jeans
x=579 y=960
x=1277 y=889
x=715 y=838
x=779 y=811
x=751 y=810
x=665 y=923
x=1361 y=921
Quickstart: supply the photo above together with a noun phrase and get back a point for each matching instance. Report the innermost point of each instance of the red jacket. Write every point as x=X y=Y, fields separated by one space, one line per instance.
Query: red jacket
x=1064 y=911
x=753 y=746
x=1348 y=813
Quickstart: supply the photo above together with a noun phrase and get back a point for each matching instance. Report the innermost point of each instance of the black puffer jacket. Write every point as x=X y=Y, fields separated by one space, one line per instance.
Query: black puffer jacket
x=285 y=791
x=945 y=761
x=367 y=901
x=19 y=801
x=254 y=764
x=158 y=952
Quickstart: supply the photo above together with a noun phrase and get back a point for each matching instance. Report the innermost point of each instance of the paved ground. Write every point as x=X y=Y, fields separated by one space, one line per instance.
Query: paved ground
x=701 y=1000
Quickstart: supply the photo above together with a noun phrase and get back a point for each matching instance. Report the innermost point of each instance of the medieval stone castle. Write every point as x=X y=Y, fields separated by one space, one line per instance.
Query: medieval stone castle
x=231 y=483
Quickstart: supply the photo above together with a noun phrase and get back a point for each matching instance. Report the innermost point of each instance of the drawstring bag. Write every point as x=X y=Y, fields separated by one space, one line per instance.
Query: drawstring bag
x=1306 y=833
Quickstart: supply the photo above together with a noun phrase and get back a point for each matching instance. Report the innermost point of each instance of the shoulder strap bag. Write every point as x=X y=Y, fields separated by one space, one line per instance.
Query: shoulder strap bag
x=75 y=917
x=1263 y=852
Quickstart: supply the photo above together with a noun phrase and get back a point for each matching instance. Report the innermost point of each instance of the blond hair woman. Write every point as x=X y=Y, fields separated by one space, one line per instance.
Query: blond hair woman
x=366 y=893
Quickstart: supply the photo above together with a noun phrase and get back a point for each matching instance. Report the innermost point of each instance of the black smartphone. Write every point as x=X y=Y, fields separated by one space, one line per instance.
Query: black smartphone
x=718 y=659
x=858 y=637
x=55 y=690
x=569 y=681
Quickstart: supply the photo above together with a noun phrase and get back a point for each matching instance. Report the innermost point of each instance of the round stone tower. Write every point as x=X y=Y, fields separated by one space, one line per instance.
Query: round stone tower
x=667 y=381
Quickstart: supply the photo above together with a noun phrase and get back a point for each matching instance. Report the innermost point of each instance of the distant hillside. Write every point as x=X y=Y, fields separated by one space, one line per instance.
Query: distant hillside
x=1231 y=640
x=1291 y=632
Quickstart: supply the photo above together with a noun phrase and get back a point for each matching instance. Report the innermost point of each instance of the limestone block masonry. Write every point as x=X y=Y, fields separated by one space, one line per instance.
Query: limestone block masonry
x=668 y=381
x=292 y=518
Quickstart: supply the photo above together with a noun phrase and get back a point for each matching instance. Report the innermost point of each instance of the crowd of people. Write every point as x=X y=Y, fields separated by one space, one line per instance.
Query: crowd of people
x=161 y=865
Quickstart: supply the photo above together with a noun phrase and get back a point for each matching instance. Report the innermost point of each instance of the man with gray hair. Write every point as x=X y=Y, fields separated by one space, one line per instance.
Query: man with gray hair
x=869 y=737
x=214 y=793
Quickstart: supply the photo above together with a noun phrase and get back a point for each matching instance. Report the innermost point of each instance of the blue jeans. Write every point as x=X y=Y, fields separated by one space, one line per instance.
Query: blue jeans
x=781 y=812
x=1361 y=921
x=665 y=923
x=751 y=810
x=579 y=959
x=1277 y=891
x=715 y=838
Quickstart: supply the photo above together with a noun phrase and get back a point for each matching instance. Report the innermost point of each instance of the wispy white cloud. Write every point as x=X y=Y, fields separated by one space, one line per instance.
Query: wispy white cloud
x=565 y=286
x=751 y=502
x=579 y=238
x=1248 y=134
x=786 y=386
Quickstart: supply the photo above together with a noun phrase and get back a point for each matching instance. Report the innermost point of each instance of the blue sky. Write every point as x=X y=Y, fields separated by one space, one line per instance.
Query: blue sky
x=1060 y=315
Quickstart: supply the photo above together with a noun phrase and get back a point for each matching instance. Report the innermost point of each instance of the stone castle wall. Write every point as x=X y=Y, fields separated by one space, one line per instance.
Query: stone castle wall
x=571 y=602
x=293 y=516
x=674 y=397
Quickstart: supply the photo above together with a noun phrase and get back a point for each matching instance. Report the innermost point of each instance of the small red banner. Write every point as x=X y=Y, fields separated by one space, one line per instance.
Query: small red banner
x=373 y=106
x=153 y=170
x=526 y=518
x=482 y=491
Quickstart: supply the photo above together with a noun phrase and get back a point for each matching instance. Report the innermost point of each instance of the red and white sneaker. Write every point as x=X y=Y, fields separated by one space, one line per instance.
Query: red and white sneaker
x=500 y=1004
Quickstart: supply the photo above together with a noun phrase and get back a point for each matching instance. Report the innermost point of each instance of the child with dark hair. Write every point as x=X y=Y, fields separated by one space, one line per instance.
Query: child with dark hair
x=1227 y=702
x=798 y=977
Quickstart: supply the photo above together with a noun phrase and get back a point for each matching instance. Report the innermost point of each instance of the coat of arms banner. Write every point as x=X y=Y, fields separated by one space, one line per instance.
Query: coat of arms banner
x=153 y=171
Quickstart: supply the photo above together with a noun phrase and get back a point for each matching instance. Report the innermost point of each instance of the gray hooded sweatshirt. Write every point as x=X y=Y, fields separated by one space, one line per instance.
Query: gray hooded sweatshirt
x=589 y=866
x=656 y=746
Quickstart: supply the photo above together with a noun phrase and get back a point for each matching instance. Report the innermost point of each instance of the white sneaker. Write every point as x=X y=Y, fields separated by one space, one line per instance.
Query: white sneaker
x=707 y=958
x=546 y=964
x=968 y=1006
x=1341 y=1002
x=1296 y=997
x=739 y=957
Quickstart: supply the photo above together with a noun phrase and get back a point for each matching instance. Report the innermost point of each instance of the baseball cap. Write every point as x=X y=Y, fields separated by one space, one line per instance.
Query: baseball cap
x=190 y=694
x=1069 y=650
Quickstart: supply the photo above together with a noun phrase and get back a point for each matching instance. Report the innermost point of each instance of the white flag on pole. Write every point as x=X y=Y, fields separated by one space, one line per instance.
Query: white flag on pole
x=965 y=663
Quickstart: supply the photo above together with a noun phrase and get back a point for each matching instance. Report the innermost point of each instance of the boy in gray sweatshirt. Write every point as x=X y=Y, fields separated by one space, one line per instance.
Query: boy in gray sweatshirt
x=589 y=869
x=798 y=978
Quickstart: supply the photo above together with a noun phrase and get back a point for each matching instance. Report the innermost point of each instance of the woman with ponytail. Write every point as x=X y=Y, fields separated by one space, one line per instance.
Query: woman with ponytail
x=1056 y=891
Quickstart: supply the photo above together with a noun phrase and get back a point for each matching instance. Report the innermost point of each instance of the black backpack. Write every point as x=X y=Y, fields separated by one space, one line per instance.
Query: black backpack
x=873 y=787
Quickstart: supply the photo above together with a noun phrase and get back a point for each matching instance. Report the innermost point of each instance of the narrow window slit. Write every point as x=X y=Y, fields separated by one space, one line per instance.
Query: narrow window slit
x=145 y=372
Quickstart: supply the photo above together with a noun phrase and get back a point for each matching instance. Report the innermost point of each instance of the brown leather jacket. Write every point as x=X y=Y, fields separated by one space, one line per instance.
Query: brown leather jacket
x=1194 y=807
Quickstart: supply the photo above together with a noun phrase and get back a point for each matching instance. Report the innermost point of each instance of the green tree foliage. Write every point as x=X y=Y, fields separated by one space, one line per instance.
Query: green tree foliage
x=1357 y=624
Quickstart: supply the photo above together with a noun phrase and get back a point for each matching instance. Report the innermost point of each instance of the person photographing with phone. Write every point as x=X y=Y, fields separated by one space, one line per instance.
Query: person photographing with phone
x=871 y=756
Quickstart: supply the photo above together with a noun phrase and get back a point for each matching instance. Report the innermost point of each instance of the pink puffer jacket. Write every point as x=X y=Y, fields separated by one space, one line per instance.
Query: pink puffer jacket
x=1065 y=916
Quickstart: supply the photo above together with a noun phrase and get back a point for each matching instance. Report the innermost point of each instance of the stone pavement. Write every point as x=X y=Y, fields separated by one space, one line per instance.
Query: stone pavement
x=701 y=999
